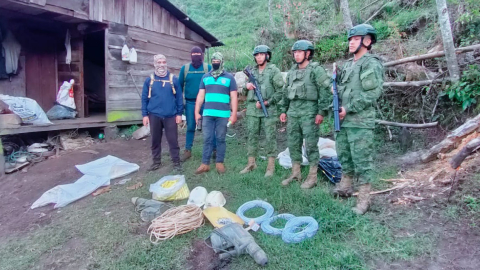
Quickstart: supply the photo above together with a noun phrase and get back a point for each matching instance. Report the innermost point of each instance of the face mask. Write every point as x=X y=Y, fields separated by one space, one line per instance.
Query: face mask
x=215 y=66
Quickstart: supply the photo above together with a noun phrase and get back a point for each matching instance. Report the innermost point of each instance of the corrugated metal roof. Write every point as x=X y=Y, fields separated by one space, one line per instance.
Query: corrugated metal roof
x=188 y=22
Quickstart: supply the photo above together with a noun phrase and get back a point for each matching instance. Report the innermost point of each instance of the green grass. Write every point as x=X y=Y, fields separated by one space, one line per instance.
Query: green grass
x=119 y=240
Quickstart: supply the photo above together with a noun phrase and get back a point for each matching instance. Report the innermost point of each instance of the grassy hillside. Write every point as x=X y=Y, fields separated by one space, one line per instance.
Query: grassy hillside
x=405 y=28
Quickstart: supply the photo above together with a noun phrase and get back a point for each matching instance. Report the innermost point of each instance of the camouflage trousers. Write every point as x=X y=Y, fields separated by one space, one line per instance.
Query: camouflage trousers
x=299 y=128
x=254 y=126
x=355 y=150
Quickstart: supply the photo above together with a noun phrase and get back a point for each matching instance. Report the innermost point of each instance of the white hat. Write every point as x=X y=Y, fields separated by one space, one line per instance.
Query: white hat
x=197 y=196
x=214 y=198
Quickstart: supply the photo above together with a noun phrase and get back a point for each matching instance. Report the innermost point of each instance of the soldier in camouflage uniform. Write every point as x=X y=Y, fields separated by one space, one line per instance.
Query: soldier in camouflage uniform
x=306 y=100
x=271 y=83
x=360 y=83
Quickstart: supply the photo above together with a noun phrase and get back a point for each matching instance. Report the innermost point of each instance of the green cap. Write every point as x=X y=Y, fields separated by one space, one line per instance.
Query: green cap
x=363 y=30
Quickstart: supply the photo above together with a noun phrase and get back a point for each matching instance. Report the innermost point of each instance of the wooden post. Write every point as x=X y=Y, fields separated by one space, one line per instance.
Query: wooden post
x=2 y=160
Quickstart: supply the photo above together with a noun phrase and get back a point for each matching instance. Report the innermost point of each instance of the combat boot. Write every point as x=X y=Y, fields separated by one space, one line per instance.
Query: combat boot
x=251 y=165
x=220 y=167
x=186 y=155
x=296 y=174
x=270 y=167
x=344 y=188
x=202 y=169
x=311 y=178
x=363 y=199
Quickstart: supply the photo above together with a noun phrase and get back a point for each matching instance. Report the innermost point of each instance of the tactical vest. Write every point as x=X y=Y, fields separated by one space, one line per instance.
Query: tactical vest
x=301 y=85
x=351 y=80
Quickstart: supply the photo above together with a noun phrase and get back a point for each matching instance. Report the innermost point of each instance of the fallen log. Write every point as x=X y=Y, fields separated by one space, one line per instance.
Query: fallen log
x=444 y=146
x=387 y=123
x=430 y=55
x=471 y=147
x=413 y=83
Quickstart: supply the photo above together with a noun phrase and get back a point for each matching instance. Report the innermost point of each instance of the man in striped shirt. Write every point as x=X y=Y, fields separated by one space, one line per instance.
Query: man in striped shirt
x=219 y=91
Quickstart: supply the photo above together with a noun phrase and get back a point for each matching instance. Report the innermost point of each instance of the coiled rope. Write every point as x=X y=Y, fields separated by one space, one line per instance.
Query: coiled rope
x=252 y=204
x=175 y=221
x=294 y=232
x=268 y=229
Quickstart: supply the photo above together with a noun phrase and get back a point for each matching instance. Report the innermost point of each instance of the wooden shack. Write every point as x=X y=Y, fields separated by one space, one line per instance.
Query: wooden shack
x=107 y=89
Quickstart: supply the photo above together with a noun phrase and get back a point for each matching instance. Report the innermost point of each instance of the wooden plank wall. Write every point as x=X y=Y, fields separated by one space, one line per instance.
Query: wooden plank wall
x=17 y=86
x=69 y=11
x=123 y=98
x=73 y=71
x=144 y=14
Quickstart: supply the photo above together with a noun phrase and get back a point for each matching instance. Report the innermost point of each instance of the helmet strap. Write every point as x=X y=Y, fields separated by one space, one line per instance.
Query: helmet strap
x=359 y=46
x=266 y=60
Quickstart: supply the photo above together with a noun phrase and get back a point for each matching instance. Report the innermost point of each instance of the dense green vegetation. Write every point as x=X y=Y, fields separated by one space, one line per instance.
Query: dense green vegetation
x=242 y=24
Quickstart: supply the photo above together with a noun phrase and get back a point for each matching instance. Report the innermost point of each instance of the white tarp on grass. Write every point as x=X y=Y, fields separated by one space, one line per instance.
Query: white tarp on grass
x=98 y=173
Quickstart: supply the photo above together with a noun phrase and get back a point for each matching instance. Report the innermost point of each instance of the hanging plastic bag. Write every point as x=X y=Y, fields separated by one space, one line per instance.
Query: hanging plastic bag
x=169 y=188
x=65 y=95
x=27 y=109
x=133 y=56
x=68 y=47
x=125 y=53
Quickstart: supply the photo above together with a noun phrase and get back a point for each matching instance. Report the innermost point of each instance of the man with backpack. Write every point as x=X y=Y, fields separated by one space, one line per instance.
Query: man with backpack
x=190 y=76
x=162 y=109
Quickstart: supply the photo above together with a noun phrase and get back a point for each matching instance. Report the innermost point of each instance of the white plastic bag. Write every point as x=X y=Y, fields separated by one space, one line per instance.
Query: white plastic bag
x=125 y=53
x=98 y=173
x=133 y=56
x=109 y=166
x=68 y=47
x=62 y=195
x=171 y=184
x=326 y=148
x=65 y=95
x=285 y=160
x=27 y=109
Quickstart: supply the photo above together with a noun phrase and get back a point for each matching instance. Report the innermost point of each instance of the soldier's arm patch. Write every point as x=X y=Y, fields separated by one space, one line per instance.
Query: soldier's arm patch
x=369 y=80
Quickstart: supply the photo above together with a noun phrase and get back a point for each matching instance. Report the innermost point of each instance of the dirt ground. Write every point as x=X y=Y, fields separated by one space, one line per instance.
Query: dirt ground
x=19 y=190
x=456 y=246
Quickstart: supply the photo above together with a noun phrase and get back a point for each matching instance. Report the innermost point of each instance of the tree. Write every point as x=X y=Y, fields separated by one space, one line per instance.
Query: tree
x=448 y=46
x=347 y=19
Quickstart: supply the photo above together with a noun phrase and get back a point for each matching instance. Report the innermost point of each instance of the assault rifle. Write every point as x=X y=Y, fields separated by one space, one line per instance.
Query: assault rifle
x=258 y=93
x=336 y=102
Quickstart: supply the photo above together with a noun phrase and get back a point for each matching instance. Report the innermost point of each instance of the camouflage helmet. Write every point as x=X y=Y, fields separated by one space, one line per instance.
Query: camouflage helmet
x=262 y=49
x=363 y=30
x=304 y=45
